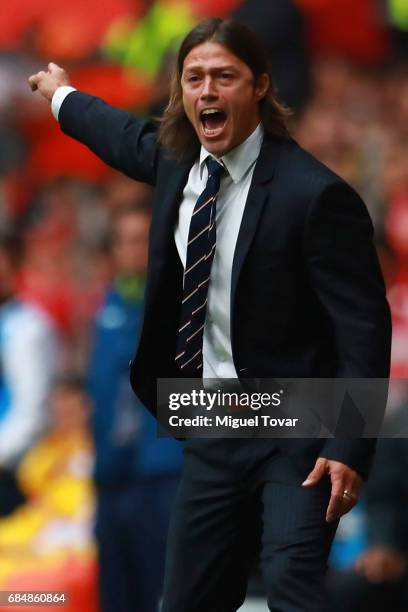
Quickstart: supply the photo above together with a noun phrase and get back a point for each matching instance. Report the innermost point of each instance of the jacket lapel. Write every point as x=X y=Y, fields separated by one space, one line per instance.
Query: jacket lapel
x=257 y=196
x=168 y=198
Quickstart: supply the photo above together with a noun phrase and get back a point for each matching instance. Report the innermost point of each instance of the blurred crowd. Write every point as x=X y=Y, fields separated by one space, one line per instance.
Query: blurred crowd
x=84 y=484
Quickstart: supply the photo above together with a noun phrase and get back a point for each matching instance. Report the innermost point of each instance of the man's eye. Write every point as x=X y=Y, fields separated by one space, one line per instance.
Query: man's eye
x=192 y=78
x=227 y=76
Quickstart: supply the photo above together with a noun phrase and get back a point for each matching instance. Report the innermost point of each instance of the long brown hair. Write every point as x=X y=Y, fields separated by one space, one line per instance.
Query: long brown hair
x=176 y=132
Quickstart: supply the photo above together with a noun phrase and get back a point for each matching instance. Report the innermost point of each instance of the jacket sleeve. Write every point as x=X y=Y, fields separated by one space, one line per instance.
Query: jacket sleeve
x=346 y=277
x=121 y=140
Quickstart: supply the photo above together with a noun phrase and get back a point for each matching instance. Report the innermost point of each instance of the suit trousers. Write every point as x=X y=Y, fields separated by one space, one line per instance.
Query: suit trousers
x=235 y=506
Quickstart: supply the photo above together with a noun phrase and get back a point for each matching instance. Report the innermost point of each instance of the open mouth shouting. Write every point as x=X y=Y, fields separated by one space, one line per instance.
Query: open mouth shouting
x=213 y=121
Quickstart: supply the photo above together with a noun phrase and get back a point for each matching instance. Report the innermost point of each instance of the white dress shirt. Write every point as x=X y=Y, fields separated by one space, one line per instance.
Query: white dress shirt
x=240 y=164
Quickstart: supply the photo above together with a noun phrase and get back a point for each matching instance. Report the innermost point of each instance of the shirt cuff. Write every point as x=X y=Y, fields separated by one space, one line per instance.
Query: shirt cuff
x=59 y=96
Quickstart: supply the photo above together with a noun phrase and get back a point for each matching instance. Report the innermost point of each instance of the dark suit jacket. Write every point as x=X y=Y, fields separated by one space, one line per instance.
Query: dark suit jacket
x=307 y=295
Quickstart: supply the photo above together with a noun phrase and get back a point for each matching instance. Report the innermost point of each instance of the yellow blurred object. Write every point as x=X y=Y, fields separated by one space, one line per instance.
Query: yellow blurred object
x=19 y=528
x=55 y=457
x=144 y=44
x=399 y=13
x=56 y=477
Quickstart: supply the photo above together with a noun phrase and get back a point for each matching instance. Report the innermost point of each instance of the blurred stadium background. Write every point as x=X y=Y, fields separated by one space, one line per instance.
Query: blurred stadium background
x=340 y=64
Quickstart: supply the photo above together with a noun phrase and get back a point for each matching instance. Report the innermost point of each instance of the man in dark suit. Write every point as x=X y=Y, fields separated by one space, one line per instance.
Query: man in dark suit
x=294 y=289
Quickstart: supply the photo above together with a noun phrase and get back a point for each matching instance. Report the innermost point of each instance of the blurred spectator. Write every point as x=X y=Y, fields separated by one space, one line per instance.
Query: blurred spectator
x=135 y=473
x=280 y=26
x=66 y=221
x=53 y=528
x=28 y=354
x=376 y=570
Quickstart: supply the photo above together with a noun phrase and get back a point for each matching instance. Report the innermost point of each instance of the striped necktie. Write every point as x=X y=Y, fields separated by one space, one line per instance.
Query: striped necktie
x=200 y=255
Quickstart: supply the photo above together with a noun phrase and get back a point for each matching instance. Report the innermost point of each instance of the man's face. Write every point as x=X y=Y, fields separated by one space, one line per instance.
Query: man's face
x=220 y=97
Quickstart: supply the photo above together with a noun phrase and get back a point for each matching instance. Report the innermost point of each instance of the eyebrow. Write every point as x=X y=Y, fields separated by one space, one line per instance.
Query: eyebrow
x=199 y=68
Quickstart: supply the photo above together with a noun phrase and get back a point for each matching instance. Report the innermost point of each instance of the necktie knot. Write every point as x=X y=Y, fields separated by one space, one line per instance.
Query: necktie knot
x=215 y=168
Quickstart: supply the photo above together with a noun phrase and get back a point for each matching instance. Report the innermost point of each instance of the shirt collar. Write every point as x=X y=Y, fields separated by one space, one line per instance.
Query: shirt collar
x=239 y=160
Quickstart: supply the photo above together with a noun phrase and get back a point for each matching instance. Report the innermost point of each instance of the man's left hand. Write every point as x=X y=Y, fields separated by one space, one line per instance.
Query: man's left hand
x=345 y=486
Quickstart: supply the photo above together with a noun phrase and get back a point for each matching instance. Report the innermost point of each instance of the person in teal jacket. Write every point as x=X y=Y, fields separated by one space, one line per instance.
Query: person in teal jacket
x=136 y=473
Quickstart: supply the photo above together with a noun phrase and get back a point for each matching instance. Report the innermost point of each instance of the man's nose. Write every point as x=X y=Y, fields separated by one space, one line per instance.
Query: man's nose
x=209 y=89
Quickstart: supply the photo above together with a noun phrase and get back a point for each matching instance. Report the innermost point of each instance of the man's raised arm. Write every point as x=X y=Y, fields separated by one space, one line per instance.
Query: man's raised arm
x=116 y=136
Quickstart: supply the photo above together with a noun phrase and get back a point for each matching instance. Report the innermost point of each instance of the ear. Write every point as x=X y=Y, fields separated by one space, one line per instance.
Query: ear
x=261 y=86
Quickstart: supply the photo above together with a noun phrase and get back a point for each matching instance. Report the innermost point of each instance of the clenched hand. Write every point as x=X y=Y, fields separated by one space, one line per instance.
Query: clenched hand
x=47 y=82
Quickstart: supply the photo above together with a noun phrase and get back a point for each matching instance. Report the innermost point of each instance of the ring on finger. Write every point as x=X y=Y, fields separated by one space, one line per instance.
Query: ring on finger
x=349 y=496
